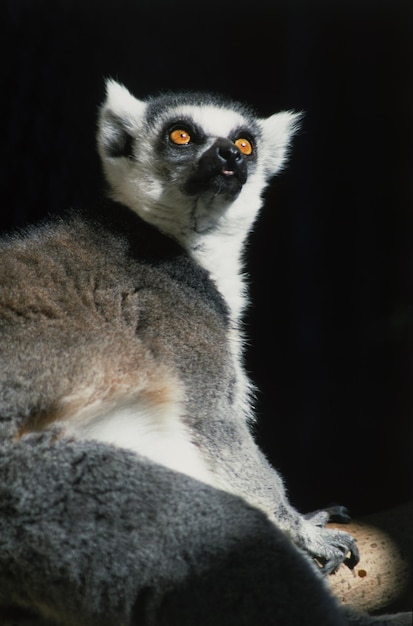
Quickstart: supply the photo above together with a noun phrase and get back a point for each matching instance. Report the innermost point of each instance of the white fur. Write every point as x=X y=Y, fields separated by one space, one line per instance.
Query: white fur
x=154 y=430
x=165 y=441
x=124 y=104
x=215 y=121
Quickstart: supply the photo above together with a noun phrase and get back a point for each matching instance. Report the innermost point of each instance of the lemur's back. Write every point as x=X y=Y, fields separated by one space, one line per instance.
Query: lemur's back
x=103 y=316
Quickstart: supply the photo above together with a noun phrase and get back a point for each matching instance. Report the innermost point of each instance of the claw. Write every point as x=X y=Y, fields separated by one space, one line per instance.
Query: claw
x=352 y=560
x=329 y=547
x=328 y=566
x=331 y=566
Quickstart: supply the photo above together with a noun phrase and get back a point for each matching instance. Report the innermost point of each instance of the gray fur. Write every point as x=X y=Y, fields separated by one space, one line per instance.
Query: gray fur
x=92 y=535
x=120 y=328
x=101 y=536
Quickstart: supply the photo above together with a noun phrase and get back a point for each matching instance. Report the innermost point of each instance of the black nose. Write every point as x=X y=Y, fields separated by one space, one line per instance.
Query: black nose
x=227 y=153
x=221 y=169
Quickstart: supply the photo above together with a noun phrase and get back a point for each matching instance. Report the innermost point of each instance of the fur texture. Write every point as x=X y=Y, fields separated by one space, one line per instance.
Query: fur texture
x=129 y=468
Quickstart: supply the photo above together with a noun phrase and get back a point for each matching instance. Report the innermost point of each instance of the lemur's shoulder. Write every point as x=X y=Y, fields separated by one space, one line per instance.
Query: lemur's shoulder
x=103 y=239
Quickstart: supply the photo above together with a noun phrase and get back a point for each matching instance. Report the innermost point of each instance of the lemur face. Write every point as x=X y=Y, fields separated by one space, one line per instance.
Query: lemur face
x=208 y=159
x=182 y=161
x=208 y=154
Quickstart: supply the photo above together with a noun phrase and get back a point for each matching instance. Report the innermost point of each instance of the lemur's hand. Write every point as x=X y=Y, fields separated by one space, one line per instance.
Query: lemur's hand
x=328 y=546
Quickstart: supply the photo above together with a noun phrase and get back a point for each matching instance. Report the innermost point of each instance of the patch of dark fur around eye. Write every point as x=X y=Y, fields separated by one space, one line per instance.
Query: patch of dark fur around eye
x=246 y=133
x=186 y=124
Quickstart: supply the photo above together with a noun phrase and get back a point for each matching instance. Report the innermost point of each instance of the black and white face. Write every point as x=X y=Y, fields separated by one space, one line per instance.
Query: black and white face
x=207 y=151
x=181 y=161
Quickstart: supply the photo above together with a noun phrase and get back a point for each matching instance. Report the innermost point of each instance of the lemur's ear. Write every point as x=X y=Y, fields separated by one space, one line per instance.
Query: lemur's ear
x=277 y=131
x=120 y=117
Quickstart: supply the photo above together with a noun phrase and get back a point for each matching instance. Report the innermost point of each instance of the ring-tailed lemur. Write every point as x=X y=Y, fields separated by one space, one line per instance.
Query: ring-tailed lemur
x=121 y=324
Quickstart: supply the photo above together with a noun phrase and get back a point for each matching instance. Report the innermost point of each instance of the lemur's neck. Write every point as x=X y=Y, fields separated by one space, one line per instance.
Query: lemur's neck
x=221 y=255
x=218 y=248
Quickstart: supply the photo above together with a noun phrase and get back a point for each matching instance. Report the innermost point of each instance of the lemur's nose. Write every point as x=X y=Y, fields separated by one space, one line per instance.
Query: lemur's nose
x=221 y=169
x=227 y=152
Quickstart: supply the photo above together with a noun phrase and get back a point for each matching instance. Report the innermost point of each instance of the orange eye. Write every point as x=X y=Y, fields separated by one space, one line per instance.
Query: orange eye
x=243 y=145
x=180 y=137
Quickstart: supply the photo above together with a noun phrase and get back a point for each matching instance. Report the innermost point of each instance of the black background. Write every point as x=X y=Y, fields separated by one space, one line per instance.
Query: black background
x=330 y=261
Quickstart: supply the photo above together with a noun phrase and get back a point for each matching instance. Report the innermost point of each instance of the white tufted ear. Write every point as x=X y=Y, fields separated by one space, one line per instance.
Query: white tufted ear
x=277 y=132
x=120 y=117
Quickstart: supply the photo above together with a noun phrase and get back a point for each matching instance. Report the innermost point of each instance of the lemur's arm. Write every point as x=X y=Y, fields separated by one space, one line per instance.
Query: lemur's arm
x=240 y=462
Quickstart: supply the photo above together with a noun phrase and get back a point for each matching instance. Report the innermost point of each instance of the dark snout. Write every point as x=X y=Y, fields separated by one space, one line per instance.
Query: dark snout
x=221 y=169
x=227 y=157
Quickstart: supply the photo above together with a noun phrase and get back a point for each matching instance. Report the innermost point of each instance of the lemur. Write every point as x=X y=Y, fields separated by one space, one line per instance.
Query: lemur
x=123 y=324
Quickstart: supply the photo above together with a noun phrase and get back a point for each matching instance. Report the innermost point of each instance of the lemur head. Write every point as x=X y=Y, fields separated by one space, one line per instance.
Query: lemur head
x=189 y=163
